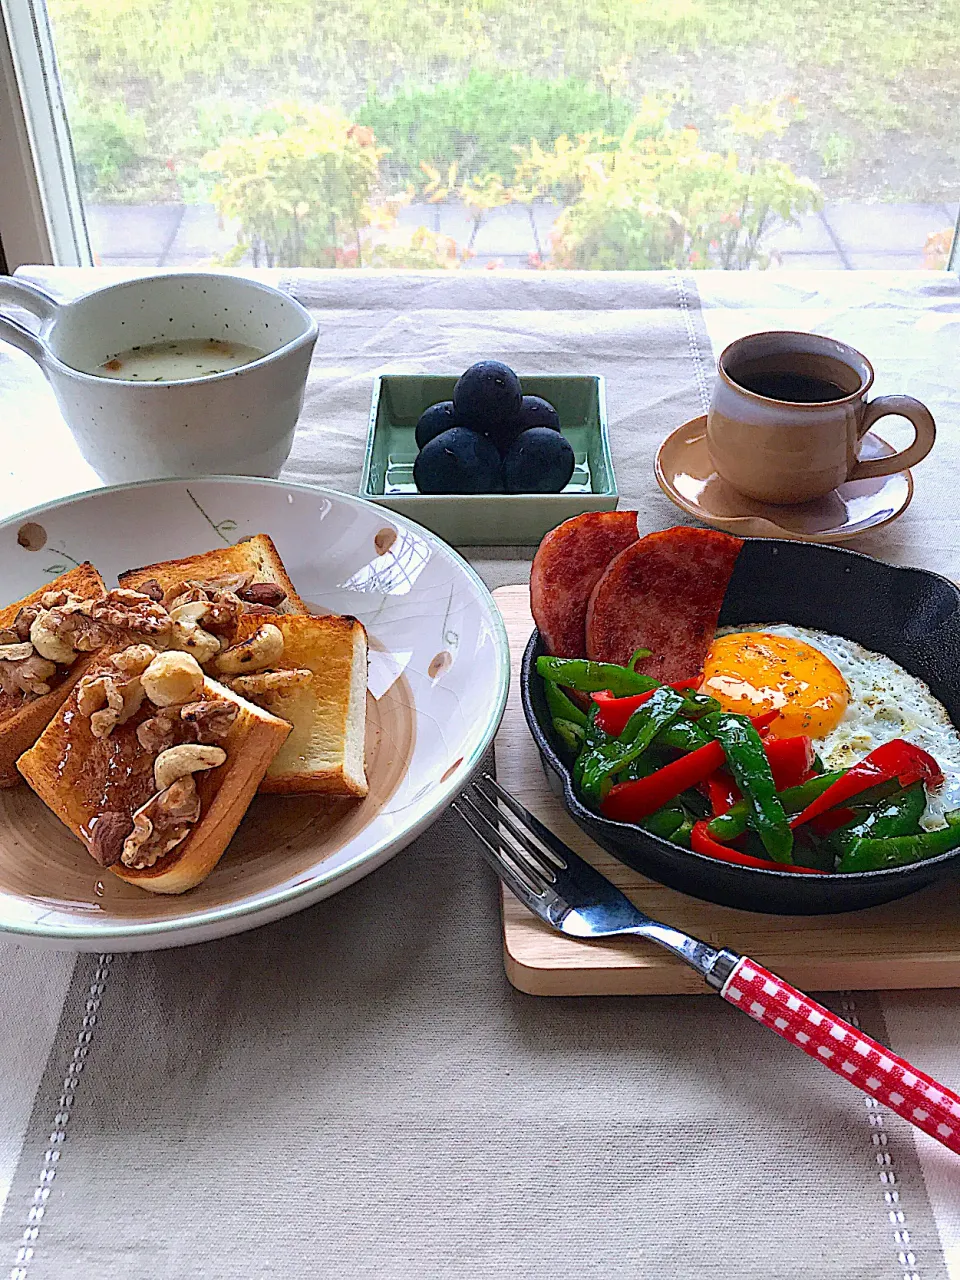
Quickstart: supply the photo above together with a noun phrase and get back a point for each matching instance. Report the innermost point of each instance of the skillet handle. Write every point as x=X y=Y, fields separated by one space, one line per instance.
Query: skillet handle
x=34 y=300
x=847 y=1052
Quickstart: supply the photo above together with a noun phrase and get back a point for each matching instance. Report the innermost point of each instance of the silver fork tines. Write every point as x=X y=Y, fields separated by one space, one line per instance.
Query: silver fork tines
x=565 y=891
x=526 y=887
x=515 y=849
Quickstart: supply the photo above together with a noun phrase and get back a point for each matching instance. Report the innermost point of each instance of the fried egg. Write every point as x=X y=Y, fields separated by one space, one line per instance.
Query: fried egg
x=846 y=698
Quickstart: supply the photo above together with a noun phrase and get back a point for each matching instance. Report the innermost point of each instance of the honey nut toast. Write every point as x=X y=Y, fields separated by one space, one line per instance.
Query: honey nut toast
x=46 y=643
x=251 y=568
x=152 y=765
x=318 y=682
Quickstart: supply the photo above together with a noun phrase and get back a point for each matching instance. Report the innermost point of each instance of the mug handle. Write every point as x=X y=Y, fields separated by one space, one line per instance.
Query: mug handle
x=31 y=299
x=925 y=433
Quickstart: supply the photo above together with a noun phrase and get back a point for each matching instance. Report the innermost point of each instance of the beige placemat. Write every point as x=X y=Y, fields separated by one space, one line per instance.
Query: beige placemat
x=357 y=1092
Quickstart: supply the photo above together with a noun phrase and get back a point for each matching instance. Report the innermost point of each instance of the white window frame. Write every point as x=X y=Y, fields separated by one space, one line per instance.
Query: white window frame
x=41 y=213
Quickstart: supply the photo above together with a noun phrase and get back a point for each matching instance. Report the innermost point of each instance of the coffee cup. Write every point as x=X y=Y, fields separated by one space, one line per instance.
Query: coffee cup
x=789 y=411
x=183 y=374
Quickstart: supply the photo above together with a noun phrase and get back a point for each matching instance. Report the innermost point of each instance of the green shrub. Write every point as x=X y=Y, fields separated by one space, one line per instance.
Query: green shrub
x=651 y=200
x=478 y=121
x=305 y=194
x=109 y=143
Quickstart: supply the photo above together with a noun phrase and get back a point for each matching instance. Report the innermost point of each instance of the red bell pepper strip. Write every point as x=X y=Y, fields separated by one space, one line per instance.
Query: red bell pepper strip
x=897 y=759
x=613 y=713
x=701 y=841
x=762 y=723
x=723 y=792
x=633 y=801
x=832 y=821
x=791 y=760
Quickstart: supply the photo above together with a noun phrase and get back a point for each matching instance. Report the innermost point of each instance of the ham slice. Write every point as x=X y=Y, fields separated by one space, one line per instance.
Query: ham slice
x=662 y=593
x=568 y=564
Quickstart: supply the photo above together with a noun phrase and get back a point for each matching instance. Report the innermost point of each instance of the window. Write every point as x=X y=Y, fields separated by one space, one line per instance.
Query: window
x=598 y=134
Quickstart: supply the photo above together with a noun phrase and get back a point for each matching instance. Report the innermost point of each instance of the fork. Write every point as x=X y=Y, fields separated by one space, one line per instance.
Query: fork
x=575 y=899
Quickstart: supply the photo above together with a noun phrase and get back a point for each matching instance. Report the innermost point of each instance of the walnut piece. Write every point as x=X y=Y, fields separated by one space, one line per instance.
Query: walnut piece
x=161 y=824
x=209 y=720
x=263 y=683
x=160 y=731
x=24 y=620
x=89 y=624
x=106 y=841
x=129 y=611
x=9 y=636
x=29 y=676
x=110 y=697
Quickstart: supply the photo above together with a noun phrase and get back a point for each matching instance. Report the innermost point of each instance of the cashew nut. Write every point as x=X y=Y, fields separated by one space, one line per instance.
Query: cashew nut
x=177 y=762
x=172 y=677
x=194 y=611
x=187 y=637
x=15 y=652
x=48 y=644
x=263 y=649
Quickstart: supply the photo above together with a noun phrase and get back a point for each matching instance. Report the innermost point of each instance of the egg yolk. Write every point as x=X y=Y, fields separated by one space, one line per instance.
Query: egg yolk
x=751 y=672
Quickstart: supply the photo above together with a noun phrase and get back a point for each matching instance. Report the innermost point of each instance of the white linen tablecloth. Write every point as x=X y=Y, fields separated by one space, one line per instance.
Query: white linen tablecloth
x=348 y=1094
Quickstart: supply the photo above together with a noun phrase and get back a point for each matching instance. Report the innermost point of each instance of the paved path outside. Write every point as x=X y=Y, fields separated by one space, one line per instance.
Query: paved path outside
x=844 y=237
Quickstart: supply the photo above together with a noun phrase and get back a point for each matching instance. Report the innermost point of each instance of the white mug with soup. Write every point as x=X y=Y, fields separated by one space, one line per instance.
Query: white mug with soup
x=172 y=375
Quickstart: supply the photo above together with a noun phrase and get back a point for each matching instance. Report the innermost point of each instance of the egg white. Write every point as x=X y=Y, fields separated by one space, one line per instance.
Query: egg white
x=885 y=702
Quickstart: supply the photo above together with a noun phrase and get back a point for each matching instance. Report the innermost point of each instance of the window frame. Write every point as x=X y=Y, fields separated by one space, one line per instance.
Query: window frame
x=41 y=212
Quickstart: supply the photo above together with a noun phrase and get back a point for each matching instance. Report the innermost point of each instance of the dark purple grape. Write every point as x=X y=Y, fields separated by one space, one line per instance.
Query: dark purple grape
x=539 y=461
x=537 y=412
x=439 y=417
x=487 y=400
x=458 y=461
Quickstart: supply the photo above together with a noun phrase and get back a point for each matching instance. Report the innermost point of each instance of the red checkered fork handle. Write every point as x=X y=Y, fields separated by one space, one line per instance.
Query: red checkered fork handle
x=846 y=1051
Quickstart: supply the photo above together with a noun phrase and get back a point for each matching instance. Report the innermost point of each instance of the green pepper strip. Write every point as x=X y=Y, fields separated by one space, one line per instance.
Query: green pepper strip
x=615 y=754
x=571 y=735
x=899 y=851
x=680 y=736
x=592 y=677
x=665 y=822
x=751 y=771
x=897 y=816
x=735 y=821
x=561 y=707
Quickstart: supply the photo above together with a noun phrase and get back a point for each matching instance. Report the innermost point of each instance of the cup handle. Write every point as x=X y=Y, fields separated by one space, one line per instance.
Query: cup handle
x=925 y=433
x=34 y=300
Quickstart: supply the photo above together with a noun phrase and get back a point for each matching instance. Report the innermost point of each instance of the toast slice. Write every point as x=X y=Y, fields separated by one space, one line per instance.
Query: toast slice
x=96 y=784
x=254 y=555
x=326 y=707
x=23 y=717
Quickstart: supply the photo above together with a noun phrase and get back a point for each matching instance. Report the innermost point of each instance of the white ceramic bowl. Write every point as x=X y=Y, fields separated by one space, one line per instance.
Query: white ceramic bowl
x=439 y=672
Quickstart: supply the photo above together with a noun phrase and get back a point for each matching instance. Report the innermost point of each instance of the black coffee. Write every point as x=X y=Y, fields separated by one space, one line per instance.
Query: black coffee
x=799 y=388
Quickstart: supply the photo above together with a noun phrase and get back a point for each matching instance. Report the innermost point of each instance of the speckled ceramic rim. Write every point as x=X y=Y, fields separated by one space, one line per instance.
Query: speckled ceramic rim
x=445 y=793
x=309 y=335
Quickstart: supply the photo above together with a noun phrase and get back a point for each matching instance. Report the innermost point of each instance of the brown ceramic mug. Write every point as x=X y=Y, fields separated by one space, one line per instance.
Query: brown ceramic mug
x=789 y=411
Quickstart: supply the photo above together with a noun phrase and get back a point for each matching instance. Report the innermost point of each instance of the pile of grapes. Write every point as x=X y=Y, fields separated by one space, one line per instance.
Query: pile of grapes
x=491 y=438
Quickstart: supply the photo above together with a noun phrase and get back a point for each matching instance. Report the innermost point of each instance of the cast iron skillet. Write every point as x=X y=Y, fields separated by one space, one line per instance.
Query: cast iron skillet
x=909 y=614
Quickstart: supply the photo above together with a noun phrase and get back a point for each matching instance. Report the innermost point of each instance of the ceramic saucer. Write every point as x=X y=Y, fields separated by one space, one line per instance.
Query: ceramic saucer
x=686 y=475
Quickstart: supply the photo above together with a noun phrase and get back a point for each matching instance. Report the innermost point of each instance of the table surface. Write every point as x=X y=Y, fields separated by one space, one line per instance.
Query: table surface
x=356 y=1091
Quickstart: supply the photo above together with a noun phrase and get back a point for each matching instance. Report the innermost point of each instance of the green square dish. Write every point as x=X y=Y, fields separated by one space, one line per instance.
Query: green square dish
x=495 y=519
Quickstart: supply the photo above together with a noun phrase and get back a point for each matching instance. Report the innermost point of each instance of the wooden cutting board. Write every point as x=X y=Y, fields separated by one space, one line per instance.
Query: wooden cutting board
x=911 y=943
